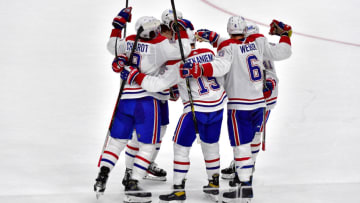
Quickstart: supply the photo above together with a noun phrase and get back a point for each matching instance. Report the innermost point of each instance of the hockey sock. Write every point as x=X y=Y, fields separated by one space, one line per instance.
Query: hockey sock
x=131 y=150
x=243 y=161
x=212 y=158
x=255 y=146
x=181 y=163
x=158 y=145
x=142 y=160
x=112 y=151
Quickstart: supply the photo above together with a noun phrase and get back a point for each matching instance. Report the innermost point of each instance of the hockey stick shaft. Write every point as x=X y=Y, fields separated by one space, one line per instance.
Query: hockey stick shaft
x=264 y=116
x=187 y=80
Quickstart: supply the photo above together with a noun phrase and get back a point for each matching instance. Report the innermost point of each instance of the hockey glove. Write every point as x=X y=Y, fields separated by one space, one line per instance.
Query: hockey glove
x=182 y=25
x=174 y=93
x=269 y=87
x=280 y=29
x=207 y=36
x=119 y=62
x=131 y=75
x=124 y=16
x=191 y=70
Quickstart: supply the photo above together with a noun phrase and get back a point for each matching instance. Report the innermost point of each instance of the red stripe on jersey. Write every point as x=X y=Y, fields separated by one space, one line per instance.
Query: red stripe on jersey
x=172 y=62
x=155 y=122
x=211 y=161
x=181 y=163
x=142 y=158
x=241 y=99
x=235 y=128
x=132 y=148
x=115 y=33
x=112 y=154
x=285 y=39
x=272 y=99
x=200 y=51
x=242 y=159
x=228 y=42
x=255 y=145
x=138 y=88
x=156 y=40
x=253 y=37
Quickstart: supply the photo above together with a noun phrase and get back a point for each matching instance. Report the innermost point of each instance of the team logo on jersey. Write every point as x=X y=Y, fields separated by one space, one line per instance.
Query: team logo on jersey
x=221 y=53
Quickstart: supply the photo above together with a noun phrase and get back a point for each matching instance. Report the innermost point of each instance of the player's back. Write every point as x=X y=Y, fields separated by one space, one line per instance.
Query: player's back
x=208 y=93
x=244 y=81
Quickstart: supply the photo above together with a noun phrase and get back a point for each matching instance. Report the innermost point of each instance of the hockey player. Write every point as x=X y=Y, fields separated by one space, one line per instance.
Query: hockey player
x=209 y=97
x=240 y=58
x=137 y=108
x=272 y=82
x=154 y=172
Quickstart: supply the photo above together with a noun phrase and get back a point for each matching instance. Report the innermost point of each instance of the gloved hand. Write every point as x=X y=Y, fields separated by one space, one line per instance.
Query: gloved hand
x=119 y=63
x=269 y=87
x=206 y=35
x=123 y=17
x=191 y=70
x=280 y=29
x=174 y=93
x=183 y=24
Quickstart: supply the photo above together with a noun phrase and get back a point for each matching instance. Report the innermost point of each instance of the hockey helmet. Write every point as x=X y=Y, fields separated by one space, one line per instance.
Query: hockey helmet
x=252 y=28
x=168 y=15
x=151 y=27
x=236 y=25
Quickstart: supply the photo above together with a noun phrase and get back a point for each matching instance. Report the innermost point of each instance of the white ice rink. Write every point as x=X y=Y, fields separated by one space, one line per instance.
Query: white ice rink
x=58 y=91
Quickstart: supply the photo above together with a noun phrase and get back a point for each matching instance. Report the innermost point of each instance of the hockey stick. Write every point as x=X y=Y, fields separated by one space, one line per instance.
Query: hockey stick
x=187 y=79
x=264 y=116
x=140 y=30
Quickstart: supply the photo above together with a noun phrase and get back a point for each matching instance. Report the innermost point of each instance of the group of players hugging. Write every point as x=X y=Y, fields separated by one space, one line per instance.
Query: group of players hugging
x=155 y=68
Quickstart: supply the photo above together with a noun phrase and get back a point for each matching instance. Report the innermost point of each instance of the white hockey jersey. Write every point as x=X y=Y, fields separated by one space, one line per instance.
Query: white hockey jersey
x=208 y=93
x=241 y=61
x=271 y=74
x=149 y=57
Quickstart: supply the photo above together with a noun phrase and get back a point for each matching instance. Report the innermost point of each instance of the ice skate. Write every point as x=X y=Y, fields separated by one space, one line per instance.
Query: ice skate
x=212 y=189
x=177 y=196
x=127 y=175
x=100 y=184
x=240 y=192
x=155 y=173
x=229 y=172
x=135 y=194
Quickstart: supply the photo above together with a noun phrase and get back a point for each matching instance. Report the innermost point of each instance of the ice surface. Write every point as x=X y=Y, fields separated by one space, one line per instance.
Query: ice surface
x=57 y=94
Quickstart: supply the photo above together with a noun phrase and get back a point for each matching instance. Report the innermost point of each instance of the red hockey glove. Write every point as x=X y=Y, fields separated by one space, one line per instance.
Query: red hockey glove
x=280 y=29
x=269 y=87
x=191 y=70
x=123 y=17
x=119 y=63
x=131 y=75
x=207 y=36
x=174 y=93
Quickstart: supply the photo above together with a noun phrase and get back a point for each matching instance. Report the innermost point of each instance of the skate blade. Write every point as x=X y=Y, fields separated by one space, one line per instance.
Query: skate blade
x=228 y=176
x=133 y=199
x=154 y=178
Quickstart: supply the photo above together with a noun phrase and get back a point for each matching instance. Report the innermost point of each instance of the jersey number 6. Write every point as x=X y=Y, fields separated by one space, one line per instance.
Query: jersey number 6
x=254 y=69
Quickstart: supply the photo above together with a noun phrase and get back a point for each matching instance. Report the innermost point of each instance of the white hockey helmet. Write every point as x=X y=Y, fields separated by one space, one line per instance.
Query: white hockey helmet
x=236 y=25
x=151 y=27
x=191 y=35
x=252 y=28
x=168 y=15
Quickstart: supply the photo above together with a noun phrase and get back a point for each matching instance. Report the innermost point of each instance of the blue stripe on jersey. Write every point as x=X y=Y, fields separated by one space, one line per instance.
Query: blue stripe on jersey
x=139 y=166
x=247 y=166
x=162 y=93
x=253 y=152
x=195 y=104
x=134 y=92
x=212 y=168
x=271 y=103
x=107 y=160
x=180 y=171
x=127 y=153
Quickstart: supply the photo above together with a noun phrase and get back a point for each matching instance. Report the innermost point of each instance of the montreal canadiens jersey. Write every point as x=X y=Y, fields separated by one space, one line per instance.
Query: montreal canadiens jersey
x=242 y=62
x=271 y=74
x=149 y=57
x=208 y=93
